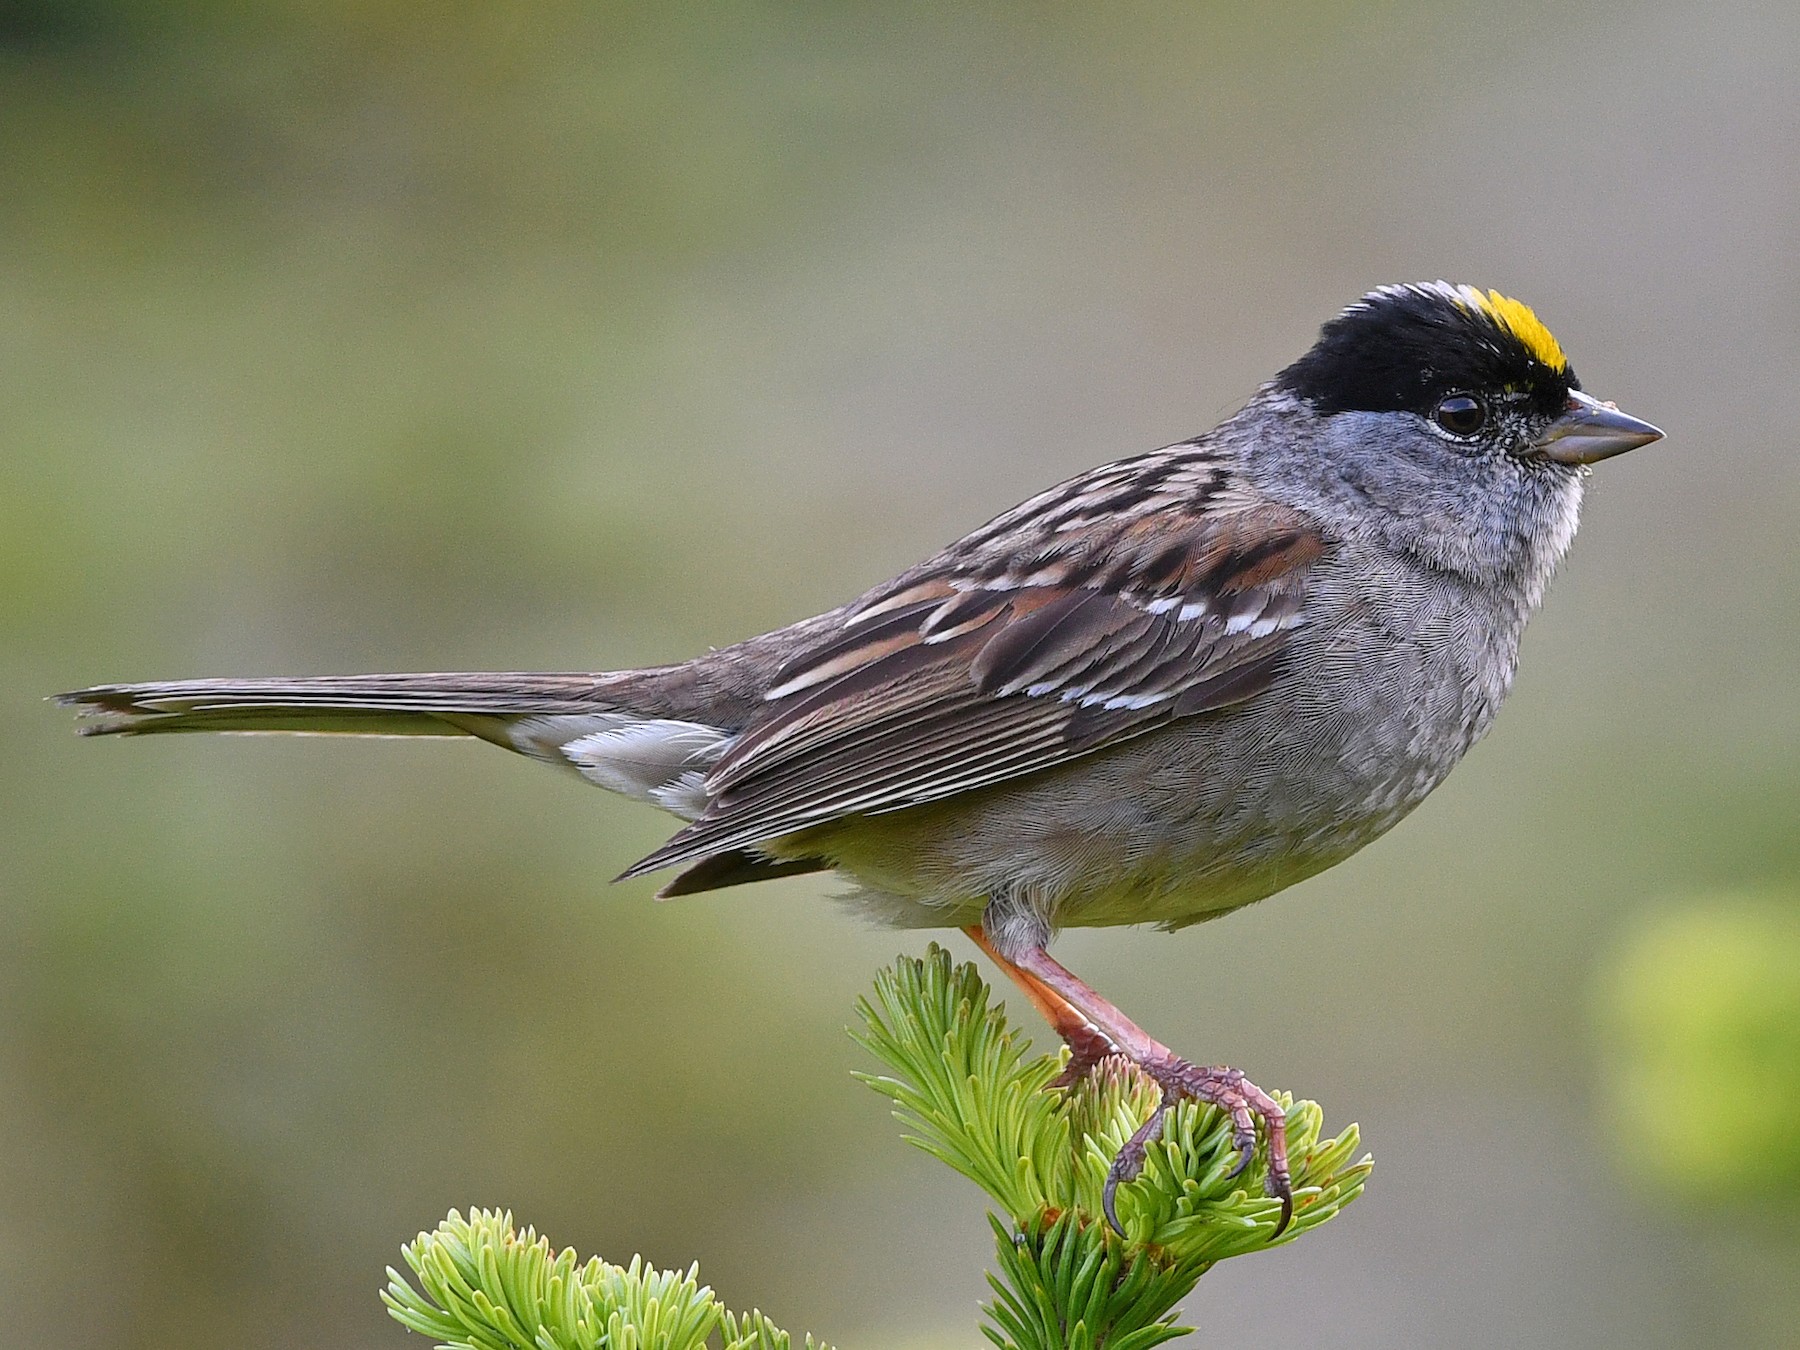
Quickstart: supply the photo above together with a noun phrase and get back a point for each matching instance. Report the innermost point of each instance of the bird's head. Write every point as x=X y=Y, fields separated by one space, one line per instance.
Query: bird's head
x=1453 y=420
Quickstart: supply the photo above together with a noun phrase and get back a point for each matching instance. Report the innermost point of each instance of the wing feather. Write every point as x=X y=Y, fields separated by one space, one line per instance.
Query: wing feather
x=1022 y=648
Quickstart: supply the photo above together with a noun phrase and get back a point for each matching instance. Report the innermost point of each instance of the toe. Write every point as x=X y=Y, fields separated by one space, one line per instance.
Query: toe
x=1128 y=1164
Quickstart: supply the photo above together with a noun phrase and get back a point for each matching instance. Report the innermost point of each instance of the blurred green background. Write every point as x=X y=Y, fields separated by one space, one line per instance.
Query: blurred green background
x=361 y=335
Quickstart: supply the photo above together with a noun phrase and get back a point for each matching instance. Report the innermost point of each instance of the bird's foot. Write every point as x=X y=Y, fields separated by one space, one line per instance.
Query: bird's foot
x=1232 y=1093
x=1093 y=1029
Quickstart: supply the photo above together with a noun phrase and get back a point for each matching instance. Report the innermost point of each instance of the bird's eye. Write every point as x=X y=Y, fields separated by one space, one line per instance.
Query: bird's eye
x=1461 y=415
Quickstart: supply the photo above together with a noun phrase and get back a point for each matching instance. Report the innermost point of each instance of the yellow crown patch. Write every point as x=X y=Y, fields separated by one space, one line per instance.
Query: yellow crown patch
x=1516 y=318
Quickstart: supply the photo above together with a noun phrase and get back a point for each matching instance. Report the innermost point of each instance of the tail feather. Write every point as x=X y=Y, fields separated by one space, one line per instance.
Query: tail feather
x=368 y=705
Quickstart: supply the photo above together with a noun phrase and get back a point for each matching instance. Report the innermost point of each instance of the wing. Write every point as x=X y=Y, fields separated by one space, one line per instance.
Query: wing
x=1149 y=591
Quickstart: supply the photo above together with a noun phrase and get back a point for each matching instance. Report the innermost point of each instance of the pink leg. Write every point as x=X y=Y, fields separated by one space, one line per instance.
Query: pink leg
x=1093 y=1027
x=1088 y=1045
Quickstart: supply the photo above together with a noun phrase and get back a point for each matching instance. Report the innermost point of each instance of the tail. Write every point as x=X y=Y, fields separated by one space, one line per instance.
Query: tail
x=611 y=728
x=357 y=705
x=647 y=734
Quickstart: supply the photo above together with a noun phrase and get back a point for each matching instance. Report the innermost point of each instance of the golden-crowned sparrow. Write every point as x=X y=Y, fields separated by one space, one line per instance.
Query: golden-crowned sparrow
x=1161 y=690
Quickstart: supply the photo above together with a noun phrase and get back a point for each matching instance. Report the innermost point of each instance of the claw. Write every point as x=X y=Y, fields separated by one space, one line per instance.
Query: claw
x=1280 y=1184
x=1129 y=1162
x=1245 y=1153
x=1287 y=1215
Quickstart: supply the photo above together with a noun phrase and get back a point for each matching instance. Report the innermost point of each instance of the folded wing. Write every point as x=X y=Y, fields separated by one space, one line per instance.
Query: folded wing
x=963 y=674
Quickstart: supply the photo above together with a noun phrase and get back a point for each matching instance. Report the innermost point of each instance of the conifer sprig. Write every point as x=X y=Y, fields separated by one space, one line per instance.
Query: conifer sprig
x=967 y=1093
x=484 y=1285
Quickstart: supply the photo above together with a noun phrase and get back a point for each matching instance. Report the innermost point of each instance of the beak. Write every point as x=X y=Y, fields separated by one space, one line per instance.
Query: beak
x=1590 y=430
